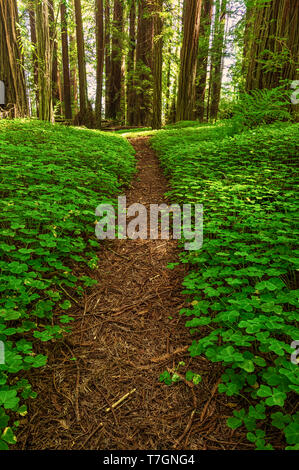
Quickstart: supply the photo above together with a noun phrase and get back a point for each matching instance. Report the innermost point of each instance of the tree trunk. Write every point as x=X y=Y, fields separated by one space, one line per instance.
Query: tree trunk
x=272 y=43
x=100 y=59
x=73 y=64
x=83 y=117
x=67 y=100
x=217 y=57
x=203 y=54
x=131 y=95
x=115 y=81
x=34 y=54
x=55 y=73
x=144 y=56
x=157 y=64
x=107 y=55
x=44 y=54
x=186 y=86
x=11 y=73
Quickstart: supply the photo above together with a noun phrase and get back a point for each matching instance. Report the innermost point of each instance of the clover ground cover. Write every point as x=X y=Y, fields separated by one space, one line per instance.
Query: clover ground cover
x=243 y=283
x=52 y=179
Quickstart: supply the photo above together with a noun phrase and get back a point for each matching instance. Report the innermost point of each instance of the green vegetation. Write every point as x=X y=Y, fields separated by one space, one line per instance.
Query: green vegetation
x=53 y=178
x=242 y=283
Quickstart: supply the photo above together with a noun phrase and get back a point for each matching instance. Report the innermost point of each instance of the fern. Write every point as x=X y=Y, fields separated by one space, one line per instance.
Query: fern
x=262 y=107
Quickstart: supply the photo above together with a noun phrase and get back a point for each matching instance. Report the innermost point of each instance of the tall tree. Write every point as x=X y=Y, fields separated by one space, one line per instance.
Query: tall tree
x=157 y=64
x=217 y=57
x=107 y=40
x=11 y=60
x=144 y=57
x=272 y=43
x=83 y=117
x=115 y=81
x=73 y=60
x=203 y=54
x=67 y=99
x=31 y=12
x=131 y=95
x=186 y=86
x=54 y=48
x=100 y=59
x=45 y=62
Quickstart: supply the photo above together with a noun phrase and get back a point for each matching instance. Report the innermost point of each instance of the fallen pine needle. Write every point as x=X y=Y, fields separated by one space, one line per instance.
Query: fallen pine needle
x=120 y=400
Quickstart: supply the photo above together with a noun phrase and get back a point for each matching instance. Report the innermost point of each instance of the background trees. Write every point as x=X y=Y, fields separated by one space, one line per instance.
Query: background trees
x=272 y=43
x=11 y=59
x=143 y=62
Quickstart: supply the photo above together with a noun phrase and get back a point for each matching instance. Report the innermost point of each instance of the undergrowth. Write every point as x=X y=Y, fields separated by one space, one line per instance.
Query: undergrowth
x=52 y=179
x=243 y=283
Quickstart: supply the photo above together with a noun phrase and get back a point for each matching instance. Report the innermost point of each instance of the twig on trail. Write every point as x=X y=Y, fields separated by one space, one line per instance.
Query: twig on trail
x=78 y=418
x=167 y=356
x=128 y=307
x=136 y=304
x=120 y=400
x=69 y=295
x=117 y=254
x=189 y=424
x=187 y=429
x=108 y=403
x=92 y=434
x=204 y=411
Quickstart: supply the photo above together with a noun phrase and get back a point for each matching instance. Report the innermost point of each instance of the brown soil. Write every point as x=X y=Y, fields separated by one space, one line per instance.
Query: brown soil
x=127 y=332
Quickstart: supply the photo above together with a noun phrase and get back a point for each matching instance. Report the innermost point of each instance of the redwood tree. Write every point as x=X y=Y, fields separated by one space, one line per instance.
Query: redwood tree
x=11 y=70
x=34 y=54
x=100 y=59
x=186 y=86
x=67 y=100
x=203 y=54
x=115 y=80
x=56 y=92
x=107 y=40
x=83 y=117
x=44 y=53
x=157 y=64
x=272 y=43
x=144 y=57
x=131 y=94
x=217 y=58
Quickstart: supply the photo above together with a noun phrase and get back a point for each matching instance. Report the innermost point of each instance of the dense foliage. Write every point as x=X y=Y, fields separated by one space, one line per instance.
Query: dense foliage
x=52 y=179
x=242 y=283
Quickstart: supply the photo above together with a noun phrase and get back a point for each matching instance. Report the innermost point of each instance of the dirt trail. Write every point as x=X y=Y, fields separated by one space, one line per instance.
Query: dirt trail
x=127 y=332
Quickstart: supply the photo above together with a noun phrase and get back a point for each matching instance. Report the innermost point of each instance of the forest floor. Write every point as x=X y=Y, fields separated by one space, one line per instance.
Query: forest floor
x=127 y=332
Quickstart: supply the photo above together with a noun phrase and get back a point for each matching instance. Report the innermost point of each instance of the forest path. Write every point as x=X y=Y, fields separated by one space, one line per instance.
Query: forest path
x=127 y=332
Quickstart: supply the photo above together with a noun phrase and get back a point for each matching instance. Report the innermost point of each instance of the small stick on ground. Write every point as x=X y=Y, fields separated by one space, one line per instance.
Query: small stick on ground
x=120 y=400
x=204 y=411
x=92 y=434
x=167 y=356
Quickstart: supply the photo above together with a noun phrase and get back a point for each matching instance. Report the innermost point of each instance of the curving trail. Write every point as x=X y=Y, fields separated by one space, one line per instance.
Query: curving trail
x=127 y=332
